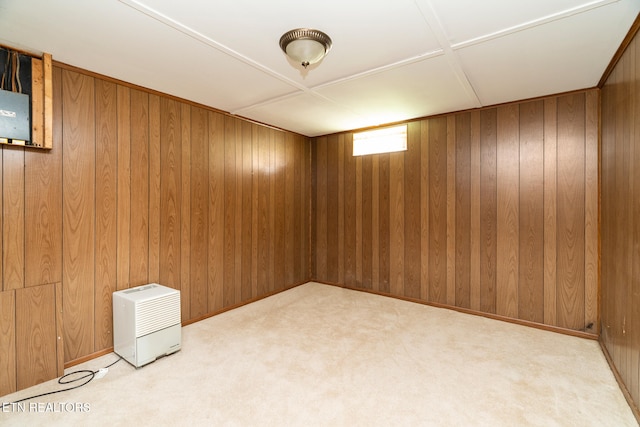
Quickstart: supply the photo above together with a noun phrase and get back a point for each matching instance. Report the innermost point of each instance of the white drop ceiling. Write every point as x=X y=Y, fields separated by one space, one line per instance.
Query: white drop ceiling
x=391 y=60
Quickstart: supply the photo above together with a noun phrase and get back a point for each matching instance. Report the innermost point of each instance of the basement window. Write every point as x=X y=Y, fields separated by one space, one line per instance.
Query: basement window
x=387 y=140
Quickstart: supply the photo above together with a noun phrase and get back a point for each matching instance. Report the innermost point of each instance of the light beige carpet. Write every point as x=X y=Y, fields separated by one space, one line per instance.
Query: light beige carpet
x=321 y=355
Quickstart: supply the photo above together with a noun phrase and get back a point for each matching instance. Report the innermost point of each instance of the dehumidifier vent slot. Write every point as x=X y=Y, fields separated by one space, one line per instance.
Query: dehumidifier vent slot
x=158 y=313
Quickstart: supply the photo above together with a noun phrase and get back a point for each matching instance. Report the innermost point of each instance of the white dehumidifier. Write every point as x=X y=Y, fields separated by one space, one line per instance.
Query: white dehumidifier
x=146 y=323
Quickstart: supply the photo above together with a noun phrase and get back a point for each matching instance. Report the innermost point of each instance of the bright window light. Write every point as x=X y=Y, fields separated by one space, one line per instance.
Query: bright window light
x=387 y=140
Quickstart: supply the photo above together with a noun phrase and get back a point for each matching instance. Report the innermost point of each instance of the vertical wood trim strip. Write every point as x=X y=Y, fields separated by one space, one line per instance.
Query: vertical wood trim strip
x=48 y=100
x=37 y=102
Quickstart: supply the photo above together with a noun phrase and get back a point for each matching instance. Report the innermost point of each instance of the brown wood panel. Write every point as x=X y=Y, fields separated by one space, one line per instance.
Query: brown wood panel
x=264 y=197
x=255 y=205
x=488 y=210
x=247 y=211
x=139 y=222
x=36 y=339
x=106 y=209
x=366 y=246
x=185 y=209
x=229 y=273
x=384 y=235
x=199 y=212
x=633 y=298
x=340 y=194
x=59 y=328
x=531 y=250
x=328 y=210
x=474 y=208
x=13 y=216
x=216 y=212
x=507 y=176
x=349 y=212
x=396 y=223
x=278 y=202
x=438 y=210
x=8 y=382
x=272 y=209
x=238 y=224
x=412 y=212
x=170 y=193
x=43 y=205
x=462 y=273
x=620 y=208
x=571 y=193
x=550 y=209
x=375 y=223
x=424 y=210
x=322 y=197
x=300 y=221
x=78 y=213
x=591 y=273
x=154 y=188
x=289 y=210
x=123 y=187
x=358 y=218
x=451 y=210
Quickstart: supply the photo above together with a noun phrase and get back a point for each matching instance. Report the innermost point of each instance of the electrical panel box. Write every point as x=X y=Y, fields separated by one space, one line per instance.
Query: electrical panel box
x=146 y=323
x=14 y=116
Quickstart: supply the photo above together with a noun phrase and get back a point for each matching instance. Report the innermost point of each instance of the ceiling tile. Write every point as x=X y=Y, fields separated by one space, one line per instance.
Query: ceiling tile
x=464 y=20
x=563 y=55
x=420 y=89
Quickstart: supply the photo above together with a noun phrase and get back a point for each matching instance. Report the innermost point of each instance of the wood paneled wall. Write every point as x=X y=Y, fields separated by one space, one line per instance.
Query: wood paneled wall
x=620 y=226
x=140 y=188
x=492 y=210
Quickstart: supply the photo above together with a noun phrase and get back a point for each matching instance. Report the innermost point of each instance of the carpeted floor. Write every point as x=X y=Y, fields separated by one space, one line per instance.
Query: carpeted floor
x=322 y=355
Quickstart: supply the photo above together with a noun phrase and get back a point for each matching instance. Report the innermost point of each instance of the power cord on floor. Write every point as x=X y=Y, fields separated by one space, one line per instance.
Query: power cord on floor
x=63 y=380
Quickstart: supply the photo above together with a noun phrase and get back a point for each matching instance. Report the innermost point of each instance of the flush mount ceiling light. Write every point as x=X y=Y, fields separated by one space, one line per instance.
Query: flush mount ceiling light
x=305 y=46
